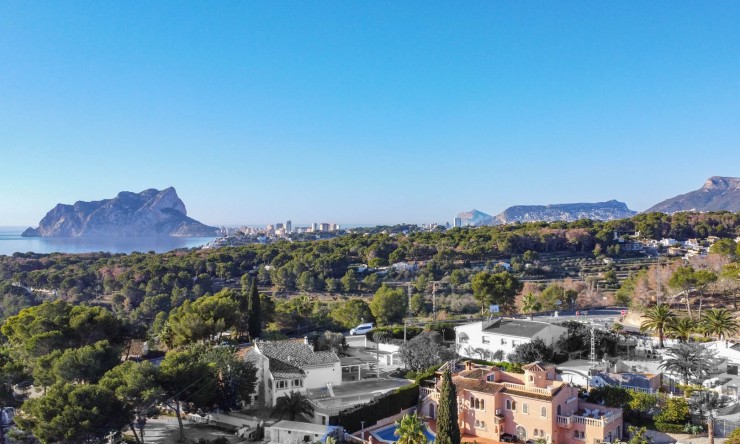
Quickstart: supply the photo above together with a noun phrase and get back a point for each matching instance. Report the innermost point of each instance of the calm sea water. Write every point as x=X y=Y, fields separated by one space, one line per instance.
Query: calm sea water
x=12 y=242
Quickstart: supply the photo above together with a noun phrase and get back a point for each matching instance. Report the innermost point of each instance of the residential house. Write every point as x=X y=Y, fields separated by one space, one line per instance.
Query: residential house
x=494 y=404
x=638 y=382
x=483 y=339
x=294 y=432
x=285 y=366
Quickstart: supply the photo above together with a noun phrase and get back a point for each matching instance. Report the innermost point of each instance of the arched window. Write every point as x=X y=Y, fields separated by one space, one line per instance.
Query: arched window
x=463 y=338
x=508 y=404
x=513 y=405
x=544 y=412
x=525 y=408
x=531 y=378
x=477 y=403
x=536 y=433
x=472 y=402
x=482 y=404
x=559 y=410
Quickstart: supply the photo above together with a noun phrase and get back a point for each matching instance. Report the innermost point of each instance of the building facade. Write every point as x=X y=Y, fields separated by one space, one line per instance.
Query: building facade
x=483 y=339
x=494 y=404
x=285 y=366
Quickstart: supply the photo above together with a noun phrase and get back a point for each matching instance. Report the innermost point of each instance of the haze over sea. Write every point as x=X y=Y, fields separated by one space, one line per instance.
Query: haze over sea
x=12 y=242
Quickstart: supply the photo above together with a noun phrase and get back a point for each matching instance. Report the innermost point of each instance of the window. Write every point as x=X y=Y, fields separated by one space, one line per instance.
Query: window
x=513 y=343
x=297 y=383
x=503 y=341
x=463 y=338
x=544 y=412
x=486 y=340
x=579 y=435
x=536 y=433
x=480 y=424
x=525 y=409
x=477 y=403
x=281 y=384
x=508 y=404
x=513 y=405
x=531 y=378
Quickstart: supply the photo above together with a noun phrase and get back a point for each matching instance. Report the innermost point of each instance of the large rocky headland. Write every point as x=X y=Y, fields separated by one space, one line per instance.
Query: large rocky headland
x=148 y=213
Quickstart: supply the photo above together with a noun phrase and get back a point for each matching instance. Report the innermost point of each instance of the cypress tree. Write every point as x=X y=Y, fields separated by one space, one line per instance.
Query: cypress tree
x=254 y=312
x=448 y=429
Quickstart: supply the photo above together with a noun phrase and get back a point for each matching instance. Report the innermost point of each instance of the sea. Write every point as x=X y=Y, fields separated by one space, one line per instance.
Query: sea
x=11 y=242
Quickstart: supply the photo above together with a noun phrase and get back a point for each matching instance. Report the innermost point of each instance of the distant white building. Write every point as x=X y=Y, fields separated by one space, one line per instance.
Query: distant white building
x=668 y=242
x=285 y=366
x=483 y=339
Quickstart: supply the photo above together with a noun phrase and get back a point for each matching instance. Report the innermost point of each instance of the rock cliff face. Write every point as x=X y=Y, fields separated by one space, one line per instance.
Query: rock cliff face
x=550 y=213
x=149 y=213
x=475 y=218
x=717 y=194
x=609 y=210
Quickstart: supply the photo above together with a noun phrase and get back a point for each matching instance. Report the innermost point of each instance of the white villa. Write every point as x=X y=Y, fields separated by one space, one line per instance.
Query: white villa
x=482 y=339
x=284 y=366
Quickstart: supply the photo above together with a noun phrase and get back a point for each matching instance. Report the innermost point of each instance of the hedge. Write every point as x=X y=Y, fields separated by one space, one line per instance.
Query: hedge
x=382 y=407
x=666 y=427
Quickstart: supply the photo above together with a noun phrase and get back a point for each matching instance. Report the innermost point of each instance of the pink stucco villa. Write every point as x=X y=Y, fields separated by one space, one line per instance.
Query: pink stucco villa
x=499 y=406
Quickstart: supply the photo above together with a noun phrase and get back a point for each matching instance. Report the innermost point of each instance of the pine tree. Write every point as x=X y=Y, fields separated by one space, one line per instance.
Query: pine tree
x=448 y=429
x=243 y=301
x=255 y=313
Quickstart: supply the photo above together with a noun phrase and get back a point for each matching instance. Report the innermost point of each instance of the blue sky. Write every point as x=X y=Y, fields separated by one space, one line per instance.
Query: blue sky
x=364 y=112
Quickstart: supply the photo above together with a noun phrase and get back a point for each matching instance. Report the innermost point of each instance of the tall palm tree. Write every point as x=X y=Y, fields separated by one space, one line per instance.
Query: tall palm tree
x=411 y=430
x=657 y=318
x=681 y=328
x=720 y=322
x=693 y=362
x=293 y=405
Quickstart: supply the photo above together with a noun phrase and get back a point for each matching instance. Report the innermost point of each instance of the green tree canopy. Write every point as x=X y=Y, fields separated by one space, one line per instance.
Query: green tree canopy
x=352 y=313
x=83 y=413
x=389 y=305
x=497 y=288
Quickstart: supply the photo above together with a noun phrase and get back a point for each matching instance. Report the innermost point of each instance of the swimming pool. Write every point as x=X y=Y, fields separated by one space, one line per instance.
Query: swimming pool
x=388 y=434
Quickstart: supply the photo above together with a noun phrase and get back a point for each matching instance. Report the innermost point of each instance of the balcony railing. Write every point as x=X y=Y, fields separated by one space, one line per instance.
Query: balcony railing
x=567 y=421
x=524 y=388
x=425 y=391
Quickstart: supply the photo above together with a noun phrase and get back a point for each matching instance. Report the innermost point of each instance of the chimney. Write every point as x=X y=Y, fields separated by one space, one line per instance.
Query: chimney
x=305 y=340
x=468 y=365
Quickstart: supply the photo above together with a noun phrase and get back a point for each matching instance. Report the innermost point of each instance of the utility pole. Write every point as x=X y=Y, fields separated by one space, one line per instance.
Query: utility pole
x=593 y=345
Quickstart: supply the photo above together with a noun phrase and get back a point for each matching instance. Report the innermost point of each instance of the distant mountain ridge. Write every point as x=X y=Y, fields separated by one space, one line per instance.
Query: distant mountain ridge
x=569 y=212
x=717 y=194
x=149 y=213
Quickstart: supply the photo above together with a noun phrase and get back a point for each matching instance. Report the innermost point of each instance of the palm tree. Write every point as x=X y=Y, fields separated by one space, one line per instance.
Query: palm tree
x=681 y=328
x=530 y=304
x=693 y=362
x=657 y=318
x=293 y=405
x=707 y=404
x=410 y=430
x=720 y=322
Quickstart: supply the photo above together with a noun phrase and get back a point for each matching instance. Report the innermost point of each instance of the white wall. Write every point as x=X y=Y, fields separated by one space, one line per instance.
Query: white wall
x=318 y=376
x=475 y=333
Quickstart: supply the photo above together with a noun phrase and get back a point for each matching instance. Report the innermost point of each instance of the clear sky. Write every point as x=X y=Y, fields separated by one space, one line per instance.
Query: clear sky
x=364 y=112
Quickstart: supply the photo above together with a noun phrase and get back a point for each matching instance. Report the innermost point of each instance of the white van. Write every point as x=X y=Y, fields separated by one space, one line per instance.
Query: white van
x=361 y=329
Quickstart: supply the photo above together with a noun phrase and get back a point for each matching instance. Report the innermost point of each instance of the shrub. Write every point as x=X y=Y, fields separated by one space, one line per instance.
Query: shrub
x=675 y=411
x=382 y=407
x=733 y=437
x=669 y=428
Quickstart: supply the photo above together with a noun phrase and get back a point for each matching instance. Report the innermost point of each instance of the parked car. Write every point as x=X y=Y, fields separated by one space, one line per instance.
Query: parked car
x=361 y=329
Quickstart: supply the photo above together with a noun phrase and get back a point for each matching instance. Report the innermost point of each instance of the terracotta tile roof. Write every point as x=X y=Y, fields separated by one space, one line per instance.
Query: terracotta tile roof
x=476 y=373
x=527 y=394
x=535 y=367
x=476 y=385
x=296 y=353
